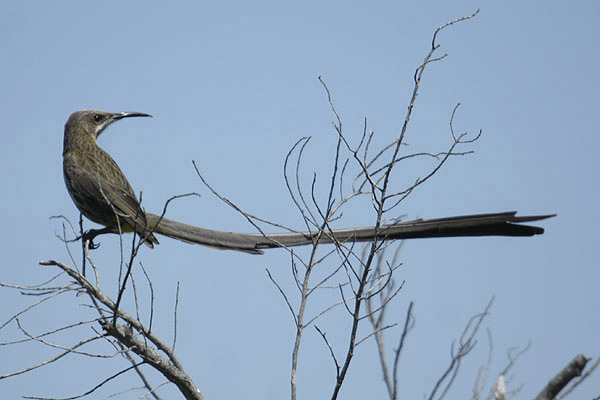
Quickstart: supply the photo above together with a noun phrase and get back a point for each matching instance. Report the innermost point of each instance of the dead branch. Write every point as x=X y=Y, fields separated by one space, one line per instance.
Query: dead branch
x=573 y=369
x=466 y=343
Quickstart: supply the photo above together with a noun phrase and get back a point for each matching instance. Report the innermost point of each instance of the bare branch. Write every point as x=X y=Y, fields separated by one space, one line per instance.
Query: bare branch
x=175 y=318
x=49 y=361
x=573 y=369
x=408 y=324
x=335 y=361
x=466 y=344
x=171 y=368
x=98 y=386
x=287 y=301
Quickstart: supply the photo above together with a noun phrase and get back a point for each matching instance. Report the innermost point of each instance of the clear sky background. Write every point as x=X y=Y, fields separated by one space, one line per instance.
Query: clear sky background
x=232 y=85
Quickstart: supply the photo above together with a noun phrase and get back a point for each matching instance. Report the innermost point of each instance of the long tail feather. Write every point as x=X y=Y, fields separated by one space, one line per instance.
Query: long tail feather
x=496 y=224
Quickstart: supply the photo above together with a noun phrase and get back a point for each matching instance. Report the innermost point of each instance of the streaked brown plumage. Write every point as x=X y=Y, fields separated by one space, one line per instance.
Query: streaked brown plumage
x=95 y=182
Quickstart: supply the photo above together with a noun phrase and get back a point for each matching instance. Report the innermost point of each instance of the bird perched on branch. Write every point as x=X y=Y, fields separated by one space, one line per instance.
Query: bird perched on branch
x=102 y=193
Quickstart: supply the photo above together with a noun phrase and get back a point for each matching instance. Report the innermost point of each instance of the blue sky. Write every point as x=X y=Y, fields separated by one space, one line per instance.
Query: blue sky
x=232 y=86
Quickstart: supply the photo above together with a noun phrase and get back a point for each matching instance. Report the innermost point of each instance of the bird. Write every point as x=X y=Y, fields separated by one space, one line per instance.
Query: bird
x=103 y=194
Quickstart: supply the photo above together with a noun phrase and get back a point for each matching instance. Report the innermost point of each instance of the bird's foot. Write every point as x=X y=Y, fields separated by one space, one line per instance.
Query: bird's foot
x=89 y=236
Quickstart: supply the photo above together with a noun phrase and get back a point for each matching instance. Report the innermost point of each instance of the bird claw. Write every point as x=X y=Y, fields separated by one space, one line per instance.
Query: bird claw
x=89 y=236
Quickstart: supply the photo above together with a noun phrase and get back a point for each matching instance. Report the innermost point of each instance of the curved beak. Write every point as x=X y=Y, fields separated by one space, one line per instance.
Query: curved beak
x=121 y=115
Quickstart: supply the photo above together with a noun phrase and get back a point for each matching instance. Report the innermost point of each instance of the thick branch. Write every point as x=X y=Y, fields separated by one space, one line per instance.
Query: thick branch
x=125 y=335
x=562 y=379
x=171 y=368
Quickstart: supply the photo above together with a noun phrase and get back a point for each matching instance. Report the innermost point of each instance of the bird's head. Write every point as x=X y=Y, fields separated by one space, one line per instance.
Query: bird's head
x=93 y=122
x=83 y=127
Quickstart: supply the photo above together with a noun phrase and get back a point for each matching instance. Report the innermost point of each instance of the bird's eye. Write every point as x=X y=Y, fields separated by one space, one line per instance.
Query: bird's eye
x=97 y=117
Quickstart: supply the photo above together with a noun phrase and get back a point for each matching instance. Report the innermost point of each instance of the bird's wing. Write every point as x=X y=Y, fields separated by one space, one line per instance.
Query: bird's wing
x=99 y=199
